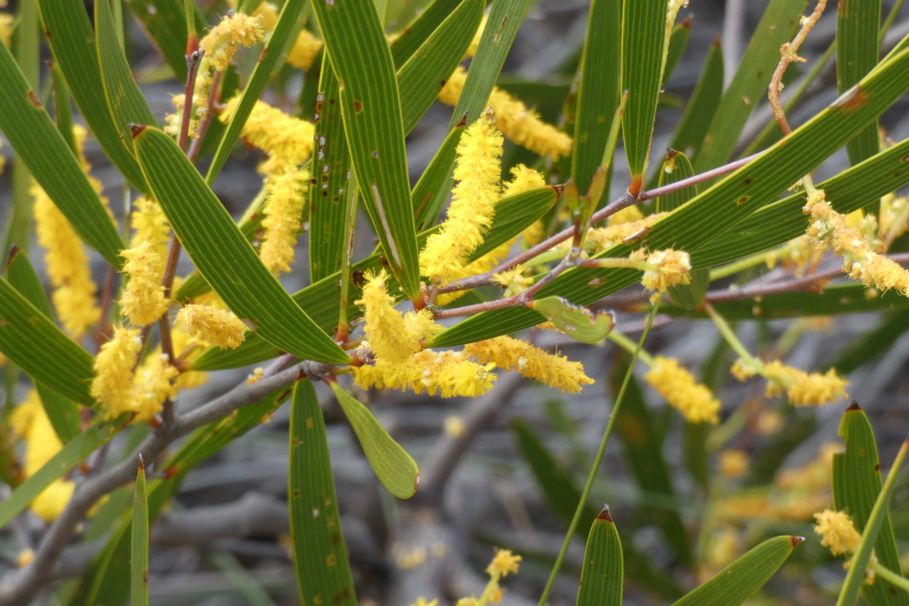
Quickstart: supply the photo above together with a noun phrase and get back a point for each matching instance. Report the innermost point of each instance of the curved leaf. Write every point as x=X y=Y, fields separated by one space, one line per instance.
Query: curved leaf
x=395 y=468
x=223 y=256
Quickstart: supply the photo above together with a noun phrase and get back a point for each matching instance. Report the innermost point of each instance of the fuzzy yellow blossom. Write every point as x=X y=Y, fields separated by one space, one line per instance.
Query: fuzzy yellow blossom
x=733 y=463
x=233 y=32
x=448 y=374
x=837 y=532
x=599 y=239
x=829 y=229
x=255 y=376
x=41 y=444
x=519 y=123
x=696 y=403
x=304 y=51
x=143 y=299
x=114 y=364
x=504 y=563
x=211 y=325
x=6 y=28
x=629 y=214
x=553 y=370
x=278 y=134
x=513 y=280
x=68 y=267
x=473 y=202
x=154 y=383
x=285 y=197
x=670 y=268
x=801 y=388
x=149 y=224
x=385 y=327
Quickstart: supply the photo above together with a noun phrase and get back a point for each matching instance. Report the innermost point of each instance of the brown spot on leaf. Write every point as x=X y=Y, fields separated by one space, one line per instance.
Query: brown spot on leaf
x=136 y=129
x=742 y=200
x=358 y=106
x=852 y=100
x=13 y=253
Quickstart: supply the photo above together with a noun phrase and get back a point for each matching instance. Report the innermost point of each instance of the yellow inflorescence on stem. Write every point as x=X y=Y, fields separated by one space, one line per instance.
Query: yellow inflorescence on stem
x=29 y=422
x=68 y=268
x=153 y=384
x=386 y=330
x=282 y=136
x=550 y=369
x=112 y=385
x=696 y=403
x=801 y=388
x=448 y=374
x=472 y=208
x=504 y=563
x=284 y=200
x=519 y=123
x=304 y=51
x=234 y=31
x=830 y=229
x=211 y=325
x=143 y=299
x=599 y=239
x=837 y=532
x=672 y=267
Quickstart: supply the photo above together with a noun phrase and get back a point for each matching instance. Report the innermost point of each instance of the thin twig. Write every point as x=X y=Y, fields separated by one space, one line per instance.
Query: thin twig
x=213 y=99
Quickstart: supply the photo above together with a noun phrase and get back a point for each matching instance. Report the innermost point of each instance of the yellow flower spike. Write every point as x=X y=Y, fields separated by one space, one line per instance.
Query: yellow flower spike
x=182 y=349
x=154 y=383
x=801 y=388
x=473 y=202
x=283 y=137
x=233 y=32
x=285 y=196
x=672 y=267
x=830 y=229
x=599 y=239
x=837 y=532
x=304 y=51
x=733 y=463
x=519 y=123
x=504 y=563
x=150 y=225
x=211 y=326
x=448 y=374
x=553 y=370
x=680 y=389
x=112 y=385
x=68 y=267
x=391 y=338
x=143 y=299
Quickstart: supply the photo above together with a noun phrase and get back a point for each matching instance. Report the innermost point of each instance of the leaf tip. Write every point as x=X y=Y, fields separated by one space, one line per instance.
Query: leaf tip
x=14 y=251
x=136 y=129
x=853 y=406
x=605 y=515
x=141 y=464
x=795 y=541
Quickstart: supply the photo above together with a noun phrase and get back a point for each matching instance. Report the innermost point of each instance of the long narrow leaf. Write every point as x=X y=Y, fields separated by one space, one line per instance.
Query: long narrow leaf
x=223 y=255
x=315 y=521
x=52 y=163
x=857 y=52
x=33 y=342
x=371 y=107
x=138 y=561
x=738 y=581
x=643 y=36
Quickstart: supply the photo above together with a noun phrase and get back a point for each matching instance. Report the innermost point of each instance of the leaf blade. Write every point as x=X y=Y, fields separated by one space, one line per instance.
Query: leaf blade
x=139 y=542
x=602 y=569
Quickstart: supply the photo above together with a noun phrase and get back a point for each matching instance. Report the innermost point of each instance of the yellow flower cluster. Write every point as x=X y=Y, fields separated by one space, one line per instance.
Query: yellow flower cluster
x=472 y=207
x=503 y=563
x=802 y=388
x=143 y=299
x=211 y=325
x=680 y=389
x=829 y=229
x=305 y=48
x=29 y=422
x=114 y=364
x=599 y=239
x=283 y=137
x=152 y=385
x=837 y=532
x=68 y=267
x=396 y=341
x=284 y=200
x=733 y=463
x=671 y=267
x=519 y=123
x=233 y=32
x=553 y=370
